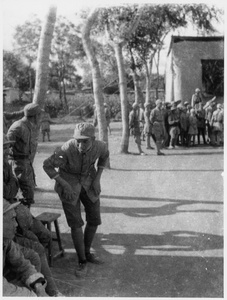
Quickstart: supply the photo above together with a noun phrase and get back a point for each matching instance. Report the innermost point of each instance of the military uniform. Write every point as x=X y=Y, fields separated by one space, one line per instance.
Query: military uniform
x=24 y=133
x=79 y=171
x=135 y=125
x=217 y=125
x=174 y=123
x=25 y=273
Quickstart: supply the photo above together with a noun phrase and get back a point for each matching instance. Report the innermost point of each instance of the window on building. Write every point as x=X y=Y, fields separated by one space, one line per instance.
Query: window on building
x=213 y=76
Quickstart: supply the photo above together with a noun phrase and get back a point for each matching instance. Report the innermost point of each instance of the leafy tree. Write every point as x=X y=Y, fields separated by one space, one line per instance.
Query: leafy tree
x=26 y=43
x=67 y=46
x=156 y=22
x=16 y=72
x=120 y=24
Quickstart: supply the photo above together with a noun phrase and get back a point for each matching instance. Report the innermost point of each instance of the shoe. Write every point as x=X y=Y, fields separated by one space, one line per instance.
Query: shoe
x=142 y=153
x=149 y=147
x=81 y=271
x=170 y=147
x=93 y=259
x=160 y=153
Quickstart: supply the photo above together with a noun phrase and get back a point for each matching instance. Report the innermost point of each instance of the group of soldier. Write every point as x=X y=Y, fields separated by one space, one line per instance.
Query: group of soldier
x=177 y=124
x=76 y=167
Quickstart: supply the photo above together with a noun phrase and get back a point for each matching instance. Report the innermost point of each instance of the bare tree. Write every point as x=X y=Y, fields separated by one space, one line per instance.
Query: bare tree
x=96 y=74
x=117 y=39
x=41 y=83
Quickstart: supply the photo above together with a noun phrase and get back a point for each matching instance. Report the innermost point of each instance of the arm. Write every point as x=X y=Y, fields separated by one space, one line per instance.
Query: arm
x=11 y=290
x=10 y=183
x=14 y=115
x=16 y=261
x=102 y=163
x=58 y=159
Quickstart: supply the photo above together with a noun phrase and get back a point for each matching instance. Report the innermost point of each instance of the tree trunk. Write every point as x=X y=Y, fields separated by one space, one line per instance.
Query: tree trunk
x=96 y=75
x=42 y=73
x=30 y=81
x=66 y=107
x=124 y=100
x=41 y=83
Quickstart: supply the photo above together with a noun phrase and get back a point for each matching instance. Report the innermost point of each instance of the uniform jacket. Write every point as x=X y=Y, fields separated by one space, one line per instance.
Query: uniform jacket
x=46 y=121
x=217 y=120
x=14 y=261
x=10 y=184
x=192 y=125
x=157 y=121
x=79 y=170
x=21 y=132
x=134 y=121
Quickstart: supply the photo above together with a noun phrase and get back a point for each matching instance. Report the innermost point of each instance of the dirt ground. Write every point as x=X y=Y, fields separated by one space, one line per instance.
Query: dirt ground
x=162 y=223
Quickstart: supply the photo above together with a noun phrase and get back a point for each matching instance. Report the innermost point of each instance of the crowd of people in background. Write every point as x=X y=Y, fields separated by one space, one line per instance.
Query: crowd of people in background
x=179 y=123
x=25 y=268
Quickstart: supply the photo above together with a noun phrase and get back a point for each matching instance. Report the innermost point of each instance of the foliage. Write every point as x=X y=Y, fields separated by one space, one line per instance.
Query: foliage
x=157 y=21
x=27 y=39
x=16 y=72
x=67 y=46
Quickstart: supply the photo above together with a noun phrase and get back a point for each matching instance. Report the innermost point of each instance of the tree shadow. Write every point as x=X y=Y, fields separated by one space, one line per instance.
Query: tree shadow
x=146 y=265
x=163 y=210
x=166 y=170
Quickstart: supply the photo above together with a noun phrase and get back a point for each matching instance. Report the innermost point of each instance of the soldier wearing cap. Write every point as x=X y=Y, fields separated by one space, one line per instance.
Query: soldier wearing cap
x=217 y=126
x=78 y=182
x=208 y=115
x=25 y=134
x=158 y=126
x=20 y=278
x=196 y=101
x=147 y=125
x=135 y=126
x=174 y=125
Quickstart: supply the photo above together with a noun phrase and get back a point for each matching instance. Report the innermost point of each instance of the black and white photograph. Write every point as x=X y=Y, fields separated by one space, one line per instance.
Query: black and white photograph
x=113 y=149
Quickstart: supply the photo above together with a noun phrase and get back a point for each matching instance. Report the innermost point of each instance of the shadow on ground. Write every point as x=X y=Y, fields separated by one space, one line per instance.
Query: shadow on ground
x=145 y=266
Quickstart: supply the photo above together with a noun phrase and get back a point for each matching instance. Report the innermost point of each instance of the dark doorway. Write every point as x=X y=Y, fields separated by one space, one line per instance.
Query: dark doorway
x=213 y=76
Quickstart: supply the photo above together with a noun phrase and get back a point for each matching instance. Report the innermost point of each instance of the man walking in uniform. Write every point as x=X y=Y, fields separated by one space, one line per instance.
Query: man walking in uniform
x=78 y=181
x=23 y=133
x=158 y=126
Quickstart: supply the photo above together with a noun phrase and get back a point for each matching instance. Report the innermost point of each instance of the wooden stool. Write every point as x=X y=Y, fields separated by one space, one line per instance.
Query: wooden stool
x=47 y=218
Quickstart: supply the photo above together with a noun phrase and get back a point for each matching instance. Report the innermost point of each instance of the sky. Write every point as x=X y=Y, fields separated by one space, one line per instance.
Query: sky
x=16 y=12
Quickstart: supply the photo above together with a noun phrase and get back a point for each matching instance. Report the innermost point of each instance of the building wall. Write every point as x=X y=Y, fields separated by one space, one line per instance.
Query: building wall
x=186 y=70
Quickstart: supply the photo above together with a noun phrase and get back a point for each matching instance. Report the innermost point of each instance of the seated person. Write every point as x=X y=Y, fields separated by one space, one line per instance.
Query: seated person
x=29 y=226
x=27 y=281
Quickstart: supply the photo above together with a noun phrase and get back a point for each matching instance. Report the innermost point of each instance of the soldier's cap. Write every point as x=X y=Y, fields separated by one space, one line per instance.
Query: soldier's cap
x=6 y=140
x=168 y=104
x=158 y=101
x=186 y=103
x=197 y=90
x=7 y=206
x=173 y=106
x=84 y=131
x=32 y=109
x=219 y=105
